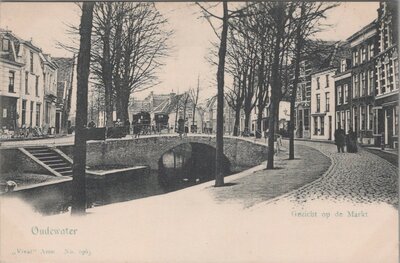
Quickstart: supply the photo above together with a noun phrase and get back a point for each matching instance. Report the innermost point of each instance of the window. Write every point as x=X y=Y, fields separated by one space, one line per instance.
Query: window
x=37 y=86
x=364 y=54
x=11 y=79
x=5 y=44
x=26 y=82
x=343 y=65
x=23 y=117
x=355 y=119
x=355 y=57
x=303 y=92
x=327 y=101
x=339 y=95
x=371 y=51
x=355 y=86
x=306 y=119
x=44 y=81
x=363 y=118
x=318 y=102
x=318 y=83
x=363 y=84
x=47 y=112
x=315 y=125
x=346 y=93
x=322 y=119
x=348 y=120
x=31 y=114
x=371 y=82
x=343 y=119
x=370 y=117
x=31 y=61
x=327 y=80
x=396 y=120
x=38 y=114
x=337 y=119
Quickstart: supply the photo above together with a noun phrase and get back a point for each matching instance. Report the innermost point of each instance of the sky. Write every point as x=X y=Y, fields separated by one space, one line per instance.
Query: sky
x=47 y=23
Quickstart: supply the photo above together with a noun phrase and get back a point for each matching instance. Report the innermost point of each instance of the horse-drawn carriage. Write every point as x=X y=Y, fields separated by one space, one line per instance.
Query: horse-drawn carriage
x=141 y=123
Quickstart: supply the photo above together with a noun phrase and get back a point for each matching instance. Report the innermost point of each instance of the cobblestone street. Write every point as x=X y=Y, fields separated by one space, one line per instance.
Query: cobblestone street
x=287 y=176
x=360 y=177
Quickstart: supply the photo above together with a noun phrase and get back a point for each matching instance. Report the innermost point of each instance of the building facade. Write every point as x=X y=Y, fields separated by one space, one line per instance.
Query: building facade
x=343 y=94
x=22 y=94
x=66 y=86
x=50 y=93
x=11 y=81
x=363 y=46
x=322 y=107
x=386 y=110
x=303 y=101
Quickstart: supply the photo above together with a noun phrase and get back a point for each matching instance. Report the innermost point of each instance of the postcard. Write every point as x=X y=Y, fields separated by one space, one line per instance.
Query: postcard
x=199 y=131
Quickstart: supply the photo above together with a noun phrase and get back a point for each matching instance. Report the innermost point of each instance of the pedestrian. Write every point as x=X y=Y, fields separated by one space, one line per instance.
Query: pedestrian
x=277 y=143
x=351 y=141
x=340 y=139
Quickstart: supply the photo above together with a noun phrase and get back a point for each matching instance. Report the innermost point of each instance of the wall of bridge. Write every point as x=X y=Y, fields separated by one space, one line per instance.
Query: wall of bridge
x=148 y=150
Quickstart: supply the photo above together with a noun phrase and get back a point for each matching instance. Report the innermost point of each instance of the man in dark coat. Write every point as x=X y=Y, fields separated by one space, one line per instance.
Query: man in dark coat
x=340 y=138
x=351 y=141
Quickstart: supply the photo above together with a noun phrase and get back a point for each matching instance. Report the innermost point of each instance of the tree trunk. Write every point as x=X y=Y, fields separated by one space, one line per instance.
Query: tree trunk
x=298 y=48
x=124 y=108
x=237 y=120
x=118 y=108
x=275 y=81
x=107 y=80
x=247 y=120
x=67 y=102
x=79 y=165
x=261 y=94
x=219 y=176
x=259 y=120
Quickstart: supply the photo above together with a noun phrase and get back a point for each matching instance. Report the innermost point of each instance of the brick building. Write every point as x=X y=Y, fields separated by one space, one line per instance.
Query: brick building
x=386 y=110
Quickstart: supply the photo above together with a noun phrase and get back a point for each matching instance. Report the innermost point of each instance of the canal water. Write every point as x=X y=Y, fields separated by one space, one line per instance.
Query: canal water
x=181 y=167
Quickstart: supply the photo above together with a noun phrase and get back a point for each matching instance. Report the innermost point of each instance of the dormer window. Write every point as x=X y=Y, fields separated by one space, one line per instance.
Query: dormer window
x=343 y=66
x=5 y=44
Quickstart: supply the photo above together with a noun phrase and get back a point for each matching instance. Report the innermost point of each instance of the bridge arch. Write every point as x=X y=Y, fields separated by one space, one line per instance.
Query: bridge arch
x=190 y=161
x=240 y=152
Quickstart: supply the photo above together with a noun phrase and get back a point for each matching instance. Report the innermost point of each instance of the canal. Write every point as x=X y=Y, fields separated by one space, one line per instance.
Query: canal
x=184 y=166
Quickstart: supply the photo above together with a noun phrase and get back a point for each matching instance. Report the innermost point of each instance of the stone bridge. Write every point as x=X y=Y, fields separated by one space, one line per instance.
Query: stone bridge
x=148 y=150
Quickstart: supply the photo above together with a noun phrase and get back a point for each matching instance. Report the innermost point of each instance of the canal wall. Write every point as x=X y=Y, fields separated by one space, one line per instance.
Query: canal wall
x=148 y=150
x=13 y=160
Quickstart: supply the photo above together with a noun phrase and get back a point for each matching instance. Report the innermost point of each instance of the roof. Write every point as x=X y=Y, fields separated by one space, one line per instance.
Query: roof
x=362 y=30
x=168 y=105
x=341 y=50
x=46 y=58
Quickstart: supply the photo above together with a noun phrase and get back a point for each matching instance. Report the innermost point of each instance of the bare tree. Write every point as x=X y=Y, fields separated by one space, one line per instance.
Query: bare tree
x=143 y=45
x=307 y=18
x=102 y=64
x=227 y=14
x=79 y=164
x=194 y=97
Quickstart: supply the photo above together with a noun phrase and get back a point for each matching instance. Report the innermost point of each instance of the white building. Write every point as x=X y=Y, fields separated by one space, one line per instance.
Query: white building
x=22 y=86
x=50 y=93
x=323 y=104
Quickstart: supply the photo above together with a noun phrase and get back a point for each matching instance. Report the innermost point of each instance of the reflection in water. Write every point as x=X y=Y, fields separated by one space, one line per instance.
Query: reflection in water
x=181 y=167
x=190 y=162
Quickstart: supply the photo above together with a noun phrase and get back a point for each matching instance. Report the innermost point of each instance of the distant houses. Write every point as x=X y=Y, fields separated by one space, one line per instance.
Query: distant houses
x=29 y=89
